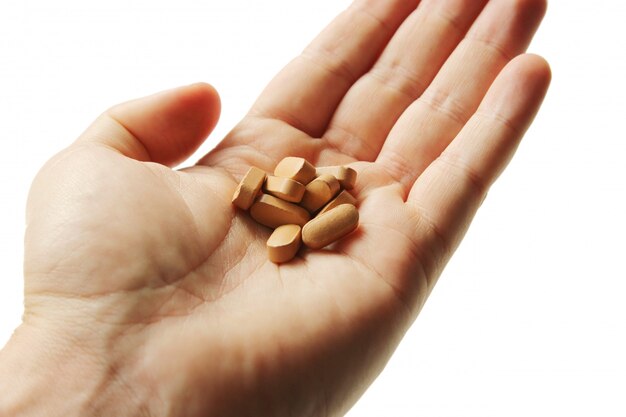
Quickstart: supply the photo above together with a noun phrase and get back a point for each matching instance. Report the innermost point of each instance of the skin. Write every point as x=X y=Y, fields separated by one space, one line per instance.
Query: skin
x=148 y=294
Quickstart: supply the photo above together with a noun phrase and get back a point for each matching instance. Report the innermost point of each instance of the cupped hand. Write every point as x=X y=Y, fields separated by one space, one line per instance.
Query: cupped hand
x=150 y=294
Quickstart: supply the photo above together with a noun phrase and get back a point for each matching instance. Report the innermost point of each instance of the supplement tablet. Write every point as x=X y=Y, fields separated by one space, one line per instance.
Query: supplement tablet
x=345 y=175
x=273 y=212
x=248 y=188
x=284 y=188
x=330 y=226
x=284 y=243
x=319 y=192
x=343 y=197
x=297 y=169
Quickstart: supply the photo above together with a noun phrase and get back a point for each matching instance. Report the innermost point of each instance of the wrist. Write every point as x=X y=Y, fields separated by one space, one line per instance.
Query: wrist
x=43 y=373
x=36 y=376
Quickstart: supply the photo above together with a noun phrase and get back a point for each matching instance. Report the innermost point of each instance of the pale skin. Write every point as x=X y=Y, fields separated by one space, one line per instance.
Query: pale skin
x=148 y=294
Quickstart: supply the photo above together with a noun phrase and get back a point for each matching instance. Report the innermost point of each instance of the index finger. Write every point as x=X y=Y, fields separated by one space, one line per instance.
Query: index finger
x=307 y=91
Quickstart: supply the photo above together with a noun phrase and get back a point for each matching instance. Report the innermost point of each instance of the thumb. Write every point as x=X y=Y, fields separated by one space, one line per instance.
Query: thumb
x=166 y=127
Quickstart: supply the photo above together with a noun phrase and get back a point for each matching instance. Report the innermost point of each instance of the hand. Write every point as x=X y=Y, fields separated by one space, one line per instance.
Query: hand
x=147 y=293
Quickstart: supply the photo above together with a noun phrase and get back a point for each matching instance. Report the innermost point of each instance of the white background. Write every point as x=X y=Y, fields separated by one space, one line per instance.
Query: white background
x=530 y=316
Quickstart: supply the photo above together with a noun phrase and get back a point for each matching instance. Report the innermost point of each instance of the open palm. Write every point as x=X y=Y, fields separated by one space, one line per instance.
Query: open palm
x=163 y=289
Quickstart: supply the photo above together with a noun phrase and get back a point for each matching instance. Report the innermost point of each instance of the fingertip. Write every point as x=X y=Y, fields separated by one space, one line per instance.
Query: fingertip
x=535 y=65
x=519 y=89
x=166 y=127
x=203 y=99
x=534 y=75
x=203 y=93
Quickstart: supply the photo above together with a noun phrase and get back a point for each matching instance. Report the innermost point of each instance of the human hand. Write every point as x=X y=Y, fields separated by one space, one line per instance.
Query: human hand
x=150 y=295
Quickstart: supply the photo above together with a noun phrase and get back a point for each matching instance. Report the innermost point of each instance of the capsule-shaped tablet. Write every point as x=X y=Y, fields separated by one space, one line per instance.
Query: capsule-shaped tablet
x=248 y=188
x=284 y=243
x=330 y=226
x=319 y=192
x=345 y=175
x=297 y=169
x=273 y=212
x=284 y=188
x=343 y=197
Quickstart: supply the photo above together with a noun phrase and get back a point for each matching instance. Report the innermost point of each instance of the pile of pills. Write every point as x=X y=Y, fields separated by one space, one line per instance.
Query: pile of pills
x=303 y=204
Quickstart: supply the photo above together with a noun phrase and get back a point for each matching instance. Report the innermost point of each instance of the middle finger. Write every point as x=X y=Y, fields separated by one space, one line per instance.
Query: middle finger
x=406 y=67
x=502 y=31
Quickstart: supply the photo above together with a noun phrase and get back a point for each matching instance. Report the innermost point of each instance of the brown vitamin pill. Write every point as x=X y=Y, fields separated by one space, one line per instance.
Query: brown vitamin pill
x=284 y=243
x=343 y=197
x=319 y=192
x=330 y=226
x=297 y=169
x=284 y=188
x=345 y=175
x=248 y=188
x=273 y=212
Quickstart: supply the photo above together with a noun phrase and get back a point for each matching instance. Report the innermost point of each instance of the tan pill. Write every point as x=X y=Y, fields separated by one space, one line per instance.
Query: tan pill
x=330 y=226
x=284 y=188
x=273 y=212
x=297 y=169
x=319 y=192
x=343 y=197
x=284 y=243
x=248 y=188
x=345 y=175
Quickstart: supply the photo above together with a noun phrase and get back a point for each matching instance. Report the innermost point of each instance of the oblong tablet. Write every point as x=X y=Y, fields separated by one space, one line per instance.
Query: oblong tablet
x=319 y=192
x=248 y=188
x=330 y=226
x=284 y=188
x=297 y=169
x=343 y=197
x=273 y=212
x=345 y=175
x=284 y=243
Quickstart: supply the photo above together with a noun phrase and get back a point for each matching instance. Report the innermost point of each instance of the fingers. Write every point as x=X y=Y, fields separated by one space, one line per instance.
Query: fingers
x=503 y=30
x=306 y=93
x=407 y=66
x=448 y=193
x=165 y=127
